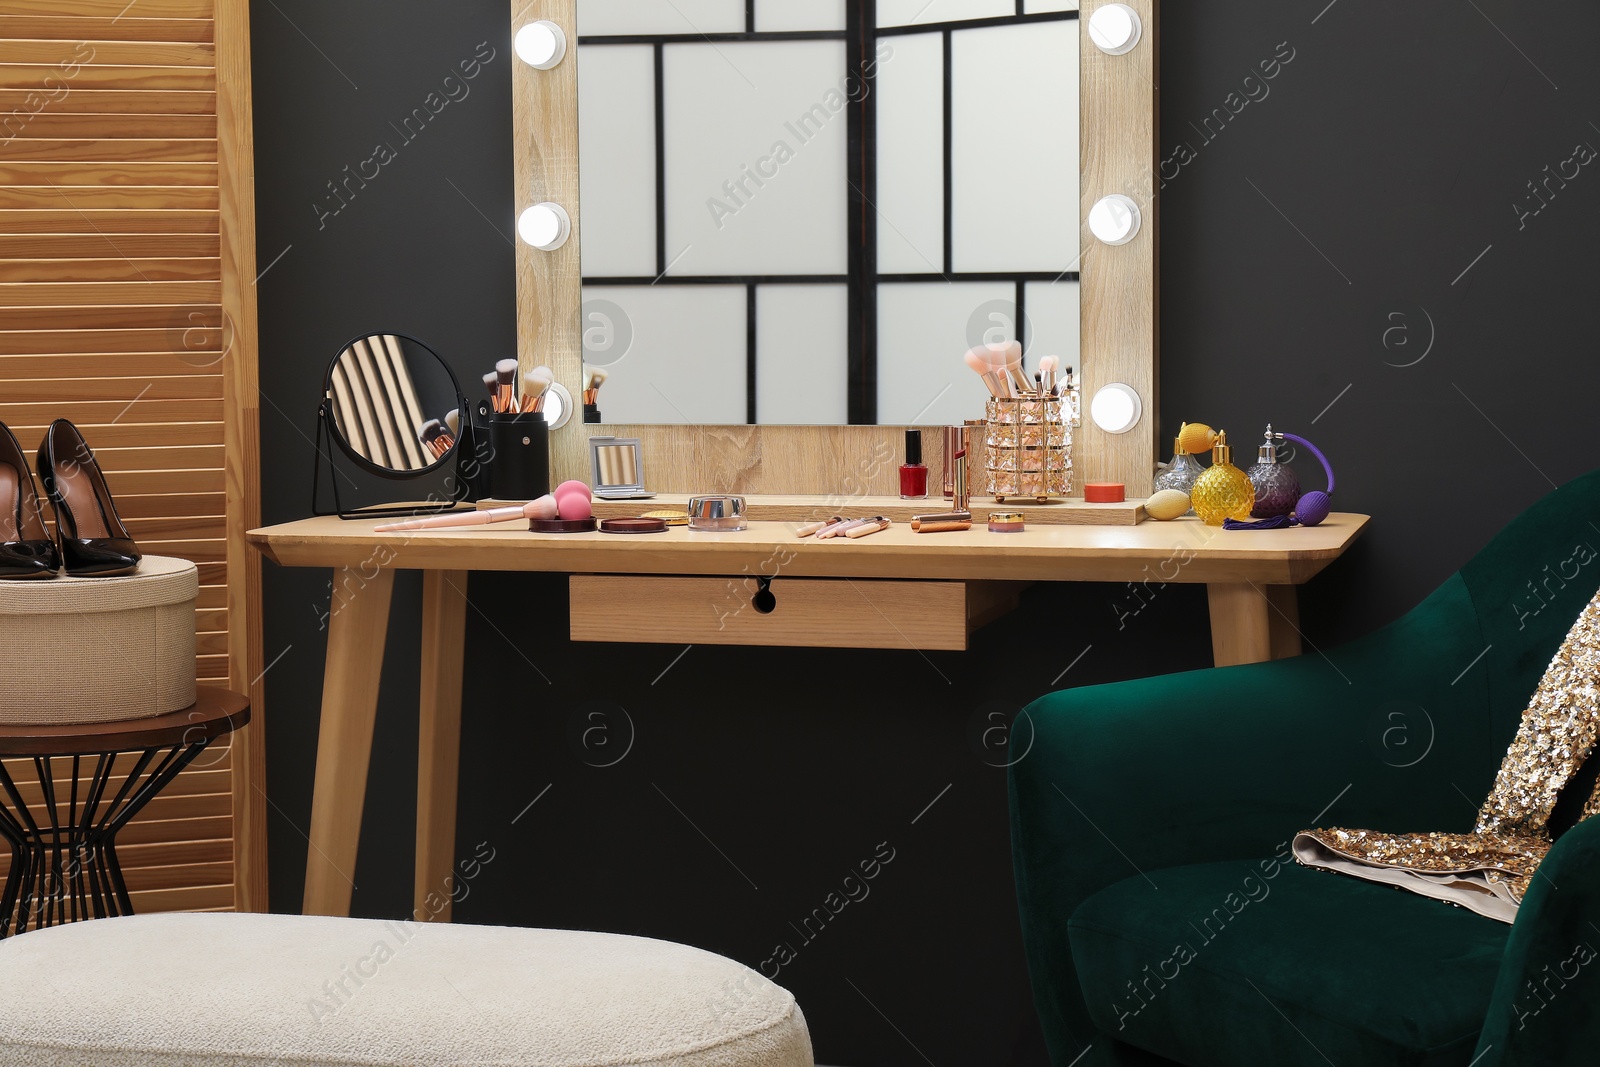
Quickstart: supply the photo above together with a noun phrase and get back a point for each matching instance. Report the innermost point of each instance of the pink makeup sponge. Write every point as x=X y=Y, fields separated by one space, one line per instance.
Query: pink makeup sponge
x=575 y=506
x=574 y=500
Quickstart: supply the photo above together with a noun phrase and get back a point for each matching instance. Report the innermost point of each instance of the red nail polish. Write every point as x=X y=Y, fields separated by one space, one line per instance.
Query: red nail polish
x=913 y=475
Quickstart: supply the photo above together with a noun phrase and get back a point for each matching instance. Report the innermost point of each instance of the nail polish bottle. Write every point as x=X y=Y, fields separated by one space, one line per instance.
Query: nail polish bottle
x=913 y=475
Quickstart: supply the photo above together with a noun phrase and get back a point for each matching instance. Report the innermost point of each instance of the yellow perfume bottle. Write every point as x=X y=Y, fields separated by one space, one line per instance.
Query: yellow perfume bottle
x=1223 y=491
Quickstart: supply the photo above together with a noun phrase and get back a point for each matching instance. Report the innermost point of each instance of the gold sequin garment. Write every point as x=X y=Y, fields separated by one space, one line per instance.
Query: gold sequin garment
x=1508 y=859
x=1558 y=732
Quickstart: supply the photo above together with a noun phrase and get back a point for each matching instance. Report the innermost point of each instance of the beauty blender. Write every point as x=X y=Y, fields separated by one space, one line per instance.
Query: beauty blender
x=574 y=500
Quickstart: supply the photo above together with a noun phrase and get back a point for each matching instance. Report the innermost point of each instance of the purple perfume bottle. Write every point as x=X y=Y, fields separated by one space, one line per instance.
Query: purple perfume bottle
x=1277 y=488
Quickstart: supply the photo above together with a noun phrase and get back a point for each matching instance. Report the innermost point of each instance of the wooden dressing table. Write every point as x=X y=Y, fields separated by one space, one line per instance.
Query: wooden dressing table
x=895 y=575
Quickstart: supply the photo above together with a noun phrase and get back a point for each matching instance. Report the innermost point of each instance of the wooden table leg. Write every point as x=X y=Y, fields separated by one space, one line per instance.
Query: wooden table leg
x=1253 y=623
x=444 y=623
x=1284 y=620
x=357 y=628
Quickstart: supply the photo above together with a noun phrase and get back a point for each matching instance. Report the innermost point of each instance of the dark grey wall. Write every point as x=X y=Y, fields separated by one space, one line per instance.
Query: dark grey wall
x=1306 y=247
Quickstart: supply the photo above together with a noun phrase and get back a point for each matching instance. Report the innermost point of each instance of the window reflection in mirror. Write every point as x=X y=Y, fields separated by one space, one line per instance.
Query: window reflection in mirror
x=791 y=216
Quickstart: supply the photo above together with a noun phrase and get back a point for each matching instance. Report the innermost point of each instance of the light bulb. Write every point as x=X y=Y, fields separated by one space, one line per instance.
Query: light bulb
x=557 y=406
x=545 y=226
x=1115 y=219
x=541 y=44
x=1116 y=408
x=1115 y=29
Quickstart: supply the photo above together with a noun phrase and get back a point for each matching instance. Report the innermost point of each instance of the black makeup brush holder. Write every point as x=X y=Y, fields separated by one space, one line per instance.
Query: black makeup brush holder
x=519 y=464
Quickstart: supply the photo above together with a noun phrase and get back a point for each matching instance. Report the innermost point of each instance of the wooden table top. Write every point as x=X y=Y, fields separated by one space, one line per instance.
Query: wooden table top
x=1183 y=551
x=214 y=712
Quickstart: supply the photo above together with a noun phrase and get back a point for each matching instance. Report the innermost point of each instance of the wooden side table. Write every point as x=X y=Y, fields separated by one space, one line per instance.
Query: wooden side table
x=63 y=848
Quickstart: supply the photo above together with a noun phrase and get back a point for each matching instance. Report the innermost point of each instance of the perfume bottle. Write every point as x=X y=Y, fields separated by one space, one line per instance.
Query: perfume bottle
x=913 y=475
x=1224 y=491
x=1277 y=487
x=1181 y=473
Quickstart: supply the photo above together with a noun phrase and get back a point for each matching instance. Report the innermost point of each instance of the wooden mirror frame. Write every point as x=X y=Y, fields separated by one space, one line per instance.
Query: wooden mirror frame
x=1118 y=289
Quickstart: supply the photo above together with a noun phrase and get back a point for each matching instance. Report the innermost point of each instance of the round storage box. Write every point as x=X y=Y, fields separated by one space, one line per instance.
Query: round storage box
x=81 y=650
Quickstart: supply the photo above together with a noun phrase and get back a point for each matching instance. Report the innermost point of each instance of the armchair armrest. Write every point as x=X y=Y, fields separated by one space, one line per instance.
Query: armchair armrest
x=1543 y=1010
x=1121 y=780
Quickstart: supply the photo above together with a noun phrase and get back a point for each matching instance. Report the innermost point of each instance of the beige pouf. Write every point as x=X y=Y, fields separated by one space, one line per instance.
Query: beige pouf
x=85 y=650
x=297 y=991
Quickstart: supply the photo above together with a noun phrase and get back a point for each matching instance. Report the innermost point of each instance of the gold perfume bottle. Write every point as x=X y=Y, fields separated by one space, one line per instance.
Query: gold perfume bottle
x=1223 y=491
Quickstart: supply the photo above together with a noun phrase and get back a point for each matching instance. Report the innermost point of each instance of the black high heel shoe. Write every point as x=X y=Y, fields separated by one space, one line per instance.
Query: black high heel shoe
x=94 y=542
x=26 y=548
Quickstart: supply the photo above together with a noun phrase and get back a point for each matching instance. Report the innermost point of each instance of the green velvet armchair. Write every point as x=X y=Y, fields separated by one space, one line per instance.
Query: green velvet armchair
x=1164 y=919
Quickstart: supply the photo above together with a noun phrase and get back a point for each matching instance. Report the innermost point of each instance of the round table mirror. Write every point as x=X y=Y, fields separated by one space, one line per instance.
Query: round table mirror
x=390 y=402
x=393 y=406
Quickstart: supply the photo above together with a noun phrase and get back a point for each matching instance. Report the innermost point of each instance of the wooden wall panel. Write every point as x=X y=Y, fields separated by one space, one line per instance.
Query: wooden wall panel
x=127 y=259
x=1119 y=312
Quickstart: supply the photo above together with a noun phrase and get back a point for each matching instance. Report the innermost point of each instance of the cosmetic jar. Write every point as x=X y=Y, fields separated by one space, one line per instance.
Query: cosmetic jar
x=1006 y=522
x=632 y=526
x=717 y=514
x=1104 y=493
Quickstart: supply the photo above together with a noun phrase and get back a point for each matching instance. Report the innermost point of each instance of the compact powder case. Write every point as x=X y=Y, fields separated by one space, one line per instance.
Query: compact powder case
x=717 y=514
x=561 y=526
x=1006 y=522
x=633 y=526
x=670 y=517
x=618 y=464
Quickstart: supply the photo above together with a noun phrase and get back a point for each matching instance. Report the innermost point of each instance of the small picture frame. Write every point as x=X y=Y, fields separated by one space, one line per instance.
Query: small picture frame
x=618 y=464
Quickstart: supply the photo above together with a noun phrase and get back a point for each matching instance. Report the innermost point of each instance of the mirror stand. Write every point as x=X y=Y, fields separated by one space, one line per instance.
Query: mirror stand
x=462 y=485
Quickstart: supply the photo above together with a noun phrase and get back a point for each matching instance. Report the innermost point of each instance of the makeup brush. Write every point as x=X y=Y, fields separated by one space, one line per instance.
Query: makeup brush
x=868 y=528
x=591 y=386
x=994 y=359
x=1013 y=358
x=429 y=436
x=535 y=383
x=839 y=529
x=491 y=382
x=543 y=508
x=812 y=527
x=975 y=360
x=830 y=527
x=453 y=420
x=506 y=379
x=1049 y=366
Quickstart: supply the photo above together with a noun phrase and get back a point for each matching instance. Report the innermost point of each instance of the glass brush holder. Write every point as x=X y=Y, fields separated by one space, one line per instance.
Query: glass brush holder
x=1028 y=448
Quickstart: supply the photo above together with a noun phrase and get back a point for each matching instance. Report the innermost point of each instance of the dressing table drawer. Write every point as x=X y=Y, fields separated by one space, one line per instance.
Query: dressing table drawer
x=801 y=612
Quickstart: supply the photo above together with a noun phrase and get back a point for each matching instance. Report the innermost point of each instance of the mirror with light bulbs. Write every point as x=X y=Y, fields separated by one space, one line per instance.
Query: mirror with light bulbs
x=798 y=217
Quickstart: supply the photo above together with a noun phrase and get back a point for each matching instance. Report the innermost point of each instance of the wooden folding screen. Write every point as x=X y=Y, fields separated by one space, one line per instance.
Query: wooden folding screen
x=127 y=304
